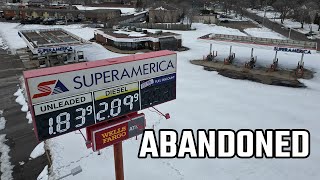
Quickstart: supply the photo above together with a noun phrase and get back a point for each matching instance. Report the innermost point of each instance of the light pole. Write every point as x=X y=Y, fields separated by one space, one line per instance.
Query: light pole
x=290 y=32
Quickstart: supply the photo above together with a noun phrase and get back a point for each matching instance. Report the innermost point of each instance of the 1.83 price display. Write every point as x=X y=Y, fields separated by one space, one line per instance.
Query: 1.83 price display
x=117 y=101
x=64 y=115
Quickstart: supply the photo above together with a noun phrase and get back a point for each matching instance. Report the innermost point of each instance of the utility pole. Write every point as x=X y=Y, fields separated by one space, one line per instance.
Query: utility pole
x=290 y=32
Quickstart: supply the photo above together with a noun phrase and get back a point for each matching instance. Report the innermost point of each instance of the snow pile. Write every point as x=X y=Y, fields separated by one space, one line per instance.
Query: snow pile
x=160 y=8
x=21 y=100
x=38 y=151
x=29 y=117
x=44 y=174
x=130 y=33
x=2 y=121
x=3 y=45
x=5 y=166
x=263 y=33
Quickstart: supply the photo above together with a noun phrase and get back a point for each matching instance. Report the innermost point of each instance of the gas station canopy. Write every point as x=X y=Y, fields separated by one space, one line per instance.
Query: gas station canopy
x=261 y=43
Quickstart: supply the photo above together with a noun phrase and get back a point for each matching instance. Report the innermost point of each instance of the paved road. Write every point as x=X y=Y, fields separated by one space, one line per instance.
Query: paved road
x=19 y=133
x=279 y=28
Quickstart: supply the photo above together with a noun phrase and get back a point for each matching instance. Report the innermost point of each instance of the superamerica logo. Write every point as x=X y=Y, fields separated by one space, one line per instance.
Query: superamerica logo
x=45 y=88
x=54 y=49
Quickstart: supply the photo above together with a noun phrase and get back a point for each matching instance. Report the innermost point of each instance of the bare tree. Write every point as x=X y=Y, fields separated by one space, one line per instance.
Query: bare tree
x=305 y=12
x=240 y=6
x=284 y=7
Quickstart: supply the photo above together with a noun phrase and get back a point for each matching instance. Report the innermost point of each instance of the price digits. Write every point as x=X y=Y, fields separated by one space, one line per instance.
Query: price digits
x=63 y=121
x=115 y=106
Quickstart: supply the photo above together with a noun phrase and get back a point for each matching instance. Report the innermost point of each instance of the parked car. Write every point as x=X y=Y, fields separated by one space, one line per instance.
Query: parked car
x=258 y=21
x=311 y=37
x=311 y=33
x=49 y=21
x=60 y=22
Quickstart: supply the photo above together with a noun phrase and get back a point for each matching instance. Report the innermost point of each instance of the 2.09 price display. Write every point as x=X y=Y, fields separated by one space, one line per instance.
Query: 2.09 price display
x=116 y=101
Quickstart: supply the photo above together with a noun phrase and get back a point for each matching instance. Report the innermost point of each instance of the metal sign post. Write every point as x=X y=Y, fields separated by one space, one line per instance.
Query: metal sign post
x=118 y=161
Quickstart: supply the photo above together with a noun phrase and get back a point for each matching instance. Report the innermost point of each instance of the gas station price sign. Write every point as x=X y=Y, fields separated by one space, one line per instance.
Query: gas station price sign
x=67 y=98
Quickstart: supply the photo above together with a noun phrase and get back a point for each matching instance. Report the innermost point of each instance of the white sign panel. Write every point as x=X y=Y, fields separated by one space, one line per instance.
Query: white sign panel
x=62 y=104
x=55 y=86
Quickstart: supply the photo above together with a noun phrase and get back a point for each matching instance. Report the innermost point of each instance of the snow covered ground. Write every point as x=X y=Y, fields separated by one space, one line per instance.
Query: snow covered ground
x=264 y=33
x=205 y=100
x=5 y=164
x=289 y=23
x=267 y=14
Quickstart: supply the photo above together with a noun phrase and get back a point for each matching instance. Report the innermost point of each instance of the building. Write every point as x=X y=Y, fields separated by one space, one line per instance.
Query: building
x=206 y=18
x=133 y=40
x=164 y=14
x=67 y=14
x=51 y=47
x=38 y=3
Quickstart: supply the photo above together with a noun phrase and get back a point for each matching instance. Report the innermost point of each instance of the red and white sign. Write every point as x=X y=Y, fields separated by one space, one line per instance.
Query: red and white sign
x=63 y=81
x=107 y=134
x=66 y=98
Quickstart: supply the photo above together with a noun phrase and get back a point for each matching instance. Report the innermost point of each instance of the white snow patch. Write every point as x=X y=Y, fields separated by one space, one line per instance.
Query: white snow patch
x=25 y=108
x=2 y=44
x=44 y=174
x=263 y=33
x=29 y=117
x=20 y=97
x=38 y=151
x=21 y=163
x=22 y=101
x=18 y=92
x=5 y=166
x=160 y=8
x=2 y=123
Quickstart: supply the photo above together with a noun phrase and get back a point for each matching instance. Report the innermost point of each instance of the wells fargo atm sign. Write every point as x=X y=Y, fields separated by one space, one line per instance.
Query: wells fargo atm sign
x=111 y=134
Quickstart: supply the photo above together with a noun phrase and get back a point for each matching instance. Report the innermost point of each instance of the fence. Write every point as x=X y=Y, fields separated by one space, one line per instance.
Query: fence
x=182 y=27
